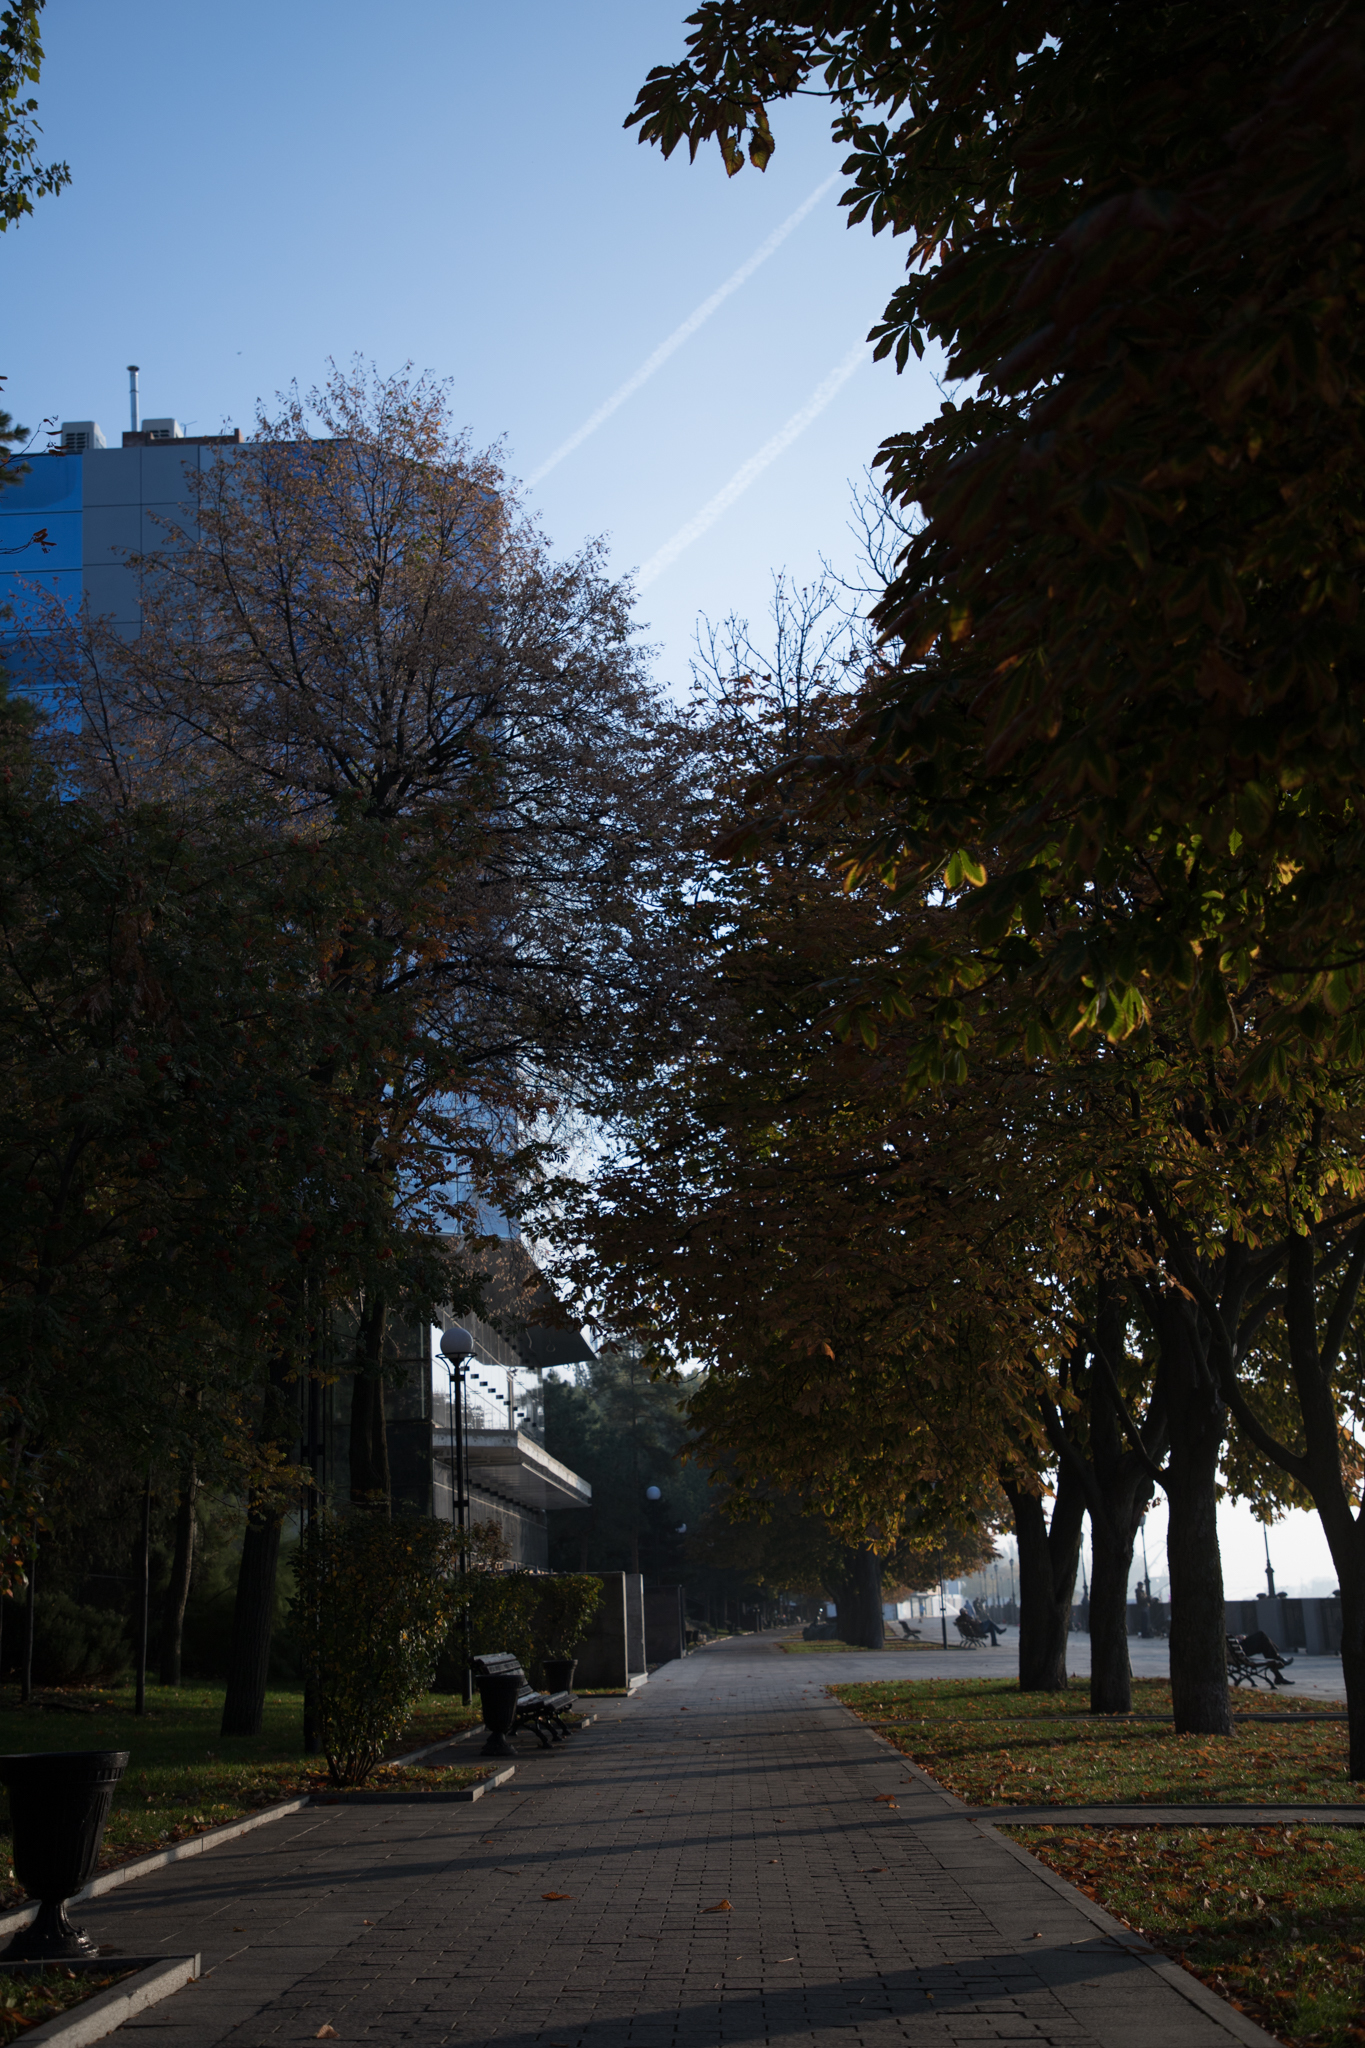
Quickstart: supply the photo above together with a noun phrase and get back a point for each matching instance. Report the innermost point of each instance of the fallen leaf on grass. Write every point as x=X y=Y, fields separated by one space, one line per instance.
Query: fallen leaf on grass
x=723 y=1907
x=556 y=1895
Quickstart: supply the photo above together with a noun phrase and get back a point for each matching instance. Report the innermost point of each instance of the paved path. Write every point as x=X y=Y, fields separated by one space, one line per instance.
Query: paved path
x=1318 y=1676
x=731 y=1777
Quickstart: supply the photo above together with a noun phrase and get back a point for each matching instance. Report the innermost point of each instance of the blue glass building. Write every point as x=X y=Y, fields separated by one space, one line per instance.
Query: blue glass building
x=95 y=505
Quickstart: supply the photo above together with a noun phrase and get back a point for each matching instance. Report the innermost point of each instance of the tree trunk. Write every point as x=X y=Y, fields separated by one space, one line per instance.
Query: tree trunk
x=1334 y=1494
x=143 y=1582
x=178 y=1591
x=253 y=1614
x=860 y=1621
x=370 y=1486
x=1118 y=1498
x=30 y=1592
x=253 y=1620
x=1049 y=1554
x=1111 y=1673
x=1198 y=1421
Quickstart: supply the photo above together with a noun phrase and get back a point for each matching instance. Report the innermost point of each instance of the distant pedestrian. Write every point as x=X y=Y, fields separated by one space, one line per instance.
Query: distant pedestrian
x=1143 y=1597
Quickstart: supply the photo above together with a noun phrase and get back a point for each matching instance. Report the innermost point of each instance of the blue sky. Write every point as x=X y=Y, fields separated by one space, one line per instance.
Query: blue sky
x=257 y=188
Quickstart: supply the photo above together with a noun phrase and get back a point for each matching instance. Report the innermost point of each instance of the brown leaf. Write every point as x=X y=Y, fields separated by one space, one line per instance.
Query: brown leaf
x=326 y=2033
x=556 y=1895
x=723 y=1907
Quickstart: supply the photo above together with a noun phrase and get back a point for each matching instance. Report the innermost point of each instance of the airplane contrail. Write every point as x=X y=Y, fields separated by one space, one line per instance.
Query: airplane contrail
x=754 y=467
x=683 y=333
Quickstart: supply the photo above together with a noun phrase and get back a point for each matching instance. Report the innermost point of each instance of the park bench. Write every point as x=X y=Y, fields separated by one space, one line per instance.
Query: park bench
x=541 y=1712
x=1256 y=1657
x=973 y=1633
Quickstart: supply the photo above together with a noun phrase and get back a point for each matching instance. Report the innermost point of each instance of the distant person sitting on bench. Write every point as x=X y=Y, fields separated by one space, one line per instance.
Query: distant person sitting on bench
x=1259 y=1644
x=982 y=1620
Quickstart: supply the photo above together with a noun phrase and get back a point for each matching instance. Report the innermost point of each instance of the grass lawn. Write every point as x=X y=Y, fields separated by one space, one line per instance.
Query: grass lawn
x=996 y=1746
x=1271 y=1918
x=27 y=2000
x=182 y=1776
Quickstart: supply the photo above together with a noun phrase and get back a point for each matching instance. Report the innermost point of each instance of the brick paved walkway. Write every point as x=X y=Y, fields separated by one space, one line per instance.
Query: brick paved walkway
x=730 y=1777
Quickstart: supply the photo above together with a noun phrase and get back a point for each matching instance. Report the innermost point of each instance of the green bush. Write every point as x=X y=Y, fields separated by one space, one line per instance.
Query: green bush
x=373 y=1608
x=564 y=1607
x=75 y=1645
x=499 y=1606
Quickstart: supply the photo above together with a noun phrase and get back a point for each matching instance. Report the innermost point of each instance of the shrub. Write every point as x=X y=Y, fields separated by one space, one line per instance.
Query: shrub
x=374 y=1606
x=500 y=1607
x=564 y=1606
x=75 y=1645
x=506 y=1608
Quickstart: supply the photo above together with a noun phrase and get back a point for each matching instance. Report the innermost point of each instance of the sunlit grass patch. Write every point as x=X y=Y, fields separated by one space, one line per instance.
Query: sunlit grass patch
x=995 y=1746
x=1273 y=1919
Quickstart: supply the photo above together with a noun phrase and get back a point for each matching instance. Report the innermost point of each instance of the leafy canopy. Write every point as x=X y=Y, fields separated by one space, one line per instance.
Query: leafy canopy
x=1116 y=716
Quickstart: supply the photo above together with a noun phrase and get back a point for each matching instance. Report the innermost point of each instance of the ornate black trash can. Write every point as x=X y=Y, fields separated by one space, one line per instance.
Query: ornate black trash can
x=556 y=1673
x=498 y=1697
x=59 y=1801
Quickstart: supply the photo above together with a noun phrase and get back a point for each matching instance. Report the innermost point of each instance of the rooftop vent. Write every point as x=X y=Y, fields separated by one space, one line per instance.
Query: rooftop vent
x=79 y=435
x=163 y=430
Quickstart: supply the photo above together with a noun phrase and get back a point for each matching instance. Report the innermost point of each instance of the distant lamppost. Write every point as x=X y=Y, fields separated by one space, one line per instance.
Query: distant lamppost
x=457 y=1348
x=654 y=1494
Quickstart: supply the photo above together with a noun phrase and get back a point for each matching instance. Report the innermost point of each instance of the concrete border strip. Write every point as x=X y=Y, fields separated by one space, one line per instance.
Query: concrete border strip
x=143 y=1866
x=109 y=2009
x=362 y=1797
x=415 y=1756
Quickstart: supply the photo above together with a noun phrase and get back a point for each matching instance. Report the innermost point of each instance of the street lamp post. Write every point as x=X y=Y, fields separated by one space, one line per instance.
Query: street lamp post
x=457 y=1348
x=654 y=1494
